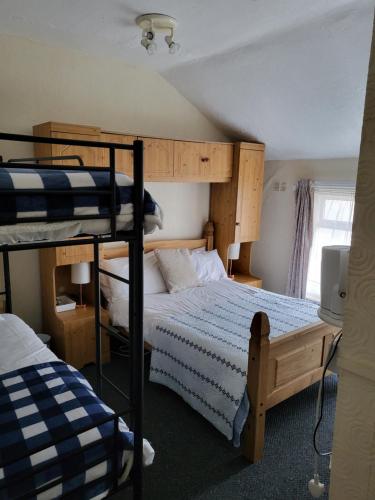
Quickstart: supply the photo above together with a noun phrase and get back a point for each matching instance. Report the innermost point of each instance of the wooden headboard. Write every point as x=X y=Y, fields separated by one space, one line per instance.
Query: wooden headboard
x=109 y=252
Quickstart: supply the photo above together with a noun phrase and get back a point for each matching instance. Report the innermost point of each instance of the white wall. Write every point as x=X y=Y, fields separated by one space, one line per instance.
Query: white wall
x=40 y=83
x=272 y=252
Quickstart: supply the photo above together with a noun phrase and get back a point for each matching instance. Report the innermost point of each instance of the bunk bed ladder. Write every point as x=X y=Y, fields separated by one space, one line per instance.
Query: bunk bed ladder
x=135 y=283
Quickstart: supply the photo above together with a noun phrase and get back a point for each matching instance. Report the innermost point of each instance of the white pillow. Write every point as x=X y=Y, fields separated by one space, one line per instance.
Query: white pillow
x=177 y=268
x=199 y=250
x=209 y=266
x=153 y=280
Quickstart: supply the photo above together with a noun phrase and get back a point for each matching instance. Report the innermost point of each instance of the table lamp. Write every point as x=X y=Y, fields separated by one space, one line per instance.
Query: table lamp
x=80 y=275
x=233 y=254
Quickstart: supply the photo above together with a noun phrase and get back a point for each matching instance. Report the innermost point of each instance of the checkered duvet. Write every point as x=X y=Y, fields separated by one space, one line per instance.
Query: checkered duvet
x=18 y=205
x=46 y=402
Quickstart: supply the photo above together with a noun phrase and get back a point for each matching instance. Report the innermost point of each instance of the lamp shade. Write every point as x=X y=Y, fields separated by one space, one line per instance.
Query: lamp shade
x=234 y=251
x=80 y=273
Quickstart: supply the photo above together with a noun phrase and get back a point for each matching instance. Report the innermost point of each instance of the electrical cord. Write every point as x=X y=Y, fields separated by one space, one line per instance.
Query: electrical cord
x=316 y=488
x=322 y=394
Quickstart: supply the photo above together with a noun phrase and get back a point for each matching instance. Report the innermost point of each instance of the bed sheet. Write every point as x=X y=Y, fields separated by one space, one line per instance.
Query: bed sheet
x=20 y=346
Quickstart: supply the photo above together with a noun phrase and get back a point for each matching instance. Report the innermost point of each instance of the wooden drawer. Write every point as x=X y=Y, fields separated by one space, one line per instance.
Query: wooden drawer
x=203 y=162
x=74 y=254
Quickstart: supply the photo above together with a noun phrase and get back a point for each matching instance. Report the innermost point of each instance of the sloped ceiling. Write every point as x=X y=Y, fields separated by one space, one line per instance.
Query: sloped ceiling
x=290 y=73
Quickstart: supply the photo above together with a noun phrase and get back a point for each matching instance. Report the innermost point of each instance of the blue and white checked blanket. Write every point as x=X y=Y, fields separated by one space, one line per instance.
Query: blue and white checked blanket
x=44 y=402
x=69 y=204
x=202 y=352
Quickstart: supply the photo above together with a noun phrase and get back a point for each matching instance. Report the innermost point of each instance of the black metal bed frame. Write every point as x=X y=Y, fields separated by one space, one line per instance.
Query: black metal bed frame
x=134 y=238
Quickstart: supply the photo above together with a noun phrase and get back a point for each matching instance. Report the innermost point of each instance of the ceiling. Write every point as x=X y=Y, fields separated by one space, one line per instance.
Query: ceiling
x=290 y=73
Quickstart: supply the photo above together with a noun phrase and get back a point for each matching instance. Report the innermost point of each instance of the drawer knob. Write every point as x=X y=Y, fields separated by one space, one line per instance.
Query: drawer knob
x=237 y=223
x=204 y=159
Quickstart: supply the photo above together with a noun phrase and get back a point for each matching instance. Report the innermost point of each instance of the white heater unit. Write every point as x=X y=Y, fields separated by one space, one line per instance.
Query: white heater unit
x=333 y=281
x=334 y=272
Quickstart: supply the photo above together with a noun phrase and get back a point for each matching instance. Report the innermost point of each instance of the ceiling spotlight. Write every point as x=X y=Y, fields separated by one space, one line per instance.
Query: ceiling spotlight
x=148 y=42
x=157 y=23
x=173 y=46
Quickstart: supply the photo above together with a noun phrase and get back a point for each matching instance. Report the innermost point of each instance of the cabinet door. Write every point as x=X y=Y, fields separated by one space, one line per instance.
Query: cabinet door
x=157 y=159
x=190 y=160
x=90 y=156
x=220 y=162
x=123 y=157
x=203 y=162
x=249 y=196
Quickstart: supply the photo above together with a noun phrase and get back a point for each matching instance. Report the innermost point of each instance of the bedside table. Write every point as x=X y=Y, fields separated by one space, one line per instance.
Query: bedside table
x=74 y=340
x=72 y=332
x=248 y=279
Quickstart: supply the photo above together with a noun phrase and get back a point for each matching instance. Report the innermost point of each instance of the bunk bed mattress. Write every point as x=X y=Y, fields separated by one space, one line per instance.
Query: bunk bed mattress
x=42 y=399
x=200 y=342
x=17 y=204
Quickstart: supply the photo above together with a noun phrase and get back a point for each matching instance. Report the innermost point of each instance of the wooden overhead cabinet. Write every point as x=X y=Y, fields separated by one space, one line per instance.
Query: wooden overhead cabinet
x=90 y=156
x=163 y=159
x=235 y=206
x=203 y=161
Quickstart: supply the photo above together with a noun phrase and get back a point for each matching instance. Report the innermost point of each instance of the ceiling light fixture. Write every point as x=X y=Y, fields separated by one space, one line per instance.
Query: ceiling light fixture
x=157 y=23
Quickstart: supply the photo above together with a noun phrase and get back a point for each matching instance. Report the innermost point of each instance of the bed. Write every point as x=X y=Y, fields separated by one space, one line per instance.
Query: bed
x=42 y=398
x=47 y=206
x=195 y=342
x=29 y=195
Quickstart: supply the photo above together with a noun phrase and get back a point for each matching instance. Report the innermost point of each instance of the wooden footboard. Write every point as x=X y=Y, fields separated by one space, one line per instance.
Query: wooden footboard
x=279 y=368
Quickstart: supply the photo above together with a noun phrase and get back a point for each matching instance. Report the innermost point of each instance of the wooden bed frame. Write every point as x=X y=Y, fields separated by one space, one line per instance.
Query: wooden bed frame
x=277 y=368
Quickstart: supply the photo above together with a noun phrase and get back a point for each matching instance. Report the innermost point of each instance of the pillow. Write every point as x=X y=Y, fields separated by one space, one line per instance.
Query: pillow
x=104 y=280
x=110 y=287
x=153 y=280
x=199 y=250
x=177 y=268
x=209 y=266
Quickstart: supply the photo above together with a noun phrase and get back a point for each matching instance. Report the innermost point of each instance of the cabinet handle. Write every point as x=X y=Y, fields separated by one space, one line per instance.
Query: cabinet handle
x=237 y=223
x=204 y=159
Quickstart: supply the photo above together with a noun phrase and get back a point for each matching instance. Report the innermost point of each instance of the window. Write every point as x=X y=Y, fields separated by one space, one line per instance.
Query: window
x=332 y=225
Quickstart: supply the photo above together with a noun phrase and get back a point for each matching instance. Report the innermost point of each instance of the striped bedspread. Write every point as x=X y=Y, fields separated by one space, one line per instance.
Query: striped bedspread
x=16 y=204
x=202 y=354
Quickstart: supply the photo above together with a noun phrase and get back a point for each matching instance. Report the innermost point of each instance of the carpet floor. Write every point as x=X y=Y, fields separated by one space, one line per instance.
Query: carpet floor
x=195 y=462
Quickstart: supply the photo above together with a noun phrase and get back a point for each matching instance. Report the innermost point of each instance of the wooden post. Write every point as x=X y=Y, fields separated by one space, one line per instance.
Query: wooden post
x=257 y=387
x=208 y=233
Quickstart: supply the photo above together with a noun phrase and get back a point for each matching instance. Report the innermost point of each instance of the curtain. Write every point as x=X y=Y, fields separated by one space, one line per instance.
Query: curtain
x=297 y=276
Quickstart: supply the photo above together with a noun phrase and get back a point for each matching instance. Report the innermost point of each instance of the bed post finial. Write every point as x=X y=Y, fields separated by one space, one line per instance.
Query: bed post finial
x=208 y=234
x=257 y=387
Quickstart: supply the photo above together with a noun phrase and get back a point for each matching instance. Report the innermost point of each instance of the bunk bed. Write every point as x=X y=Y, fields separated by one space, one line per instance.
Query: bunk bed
x=31 y=196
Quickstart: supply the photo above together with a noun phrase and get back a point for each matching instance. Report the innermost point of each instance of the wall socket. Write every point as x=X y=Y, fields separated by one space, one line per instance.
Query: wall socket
x=279 y=186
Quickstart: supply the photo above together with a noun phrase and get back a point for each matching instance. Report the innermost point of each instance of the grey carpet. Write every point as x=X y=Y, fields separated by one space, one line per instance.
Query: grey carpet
x=194 y=461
